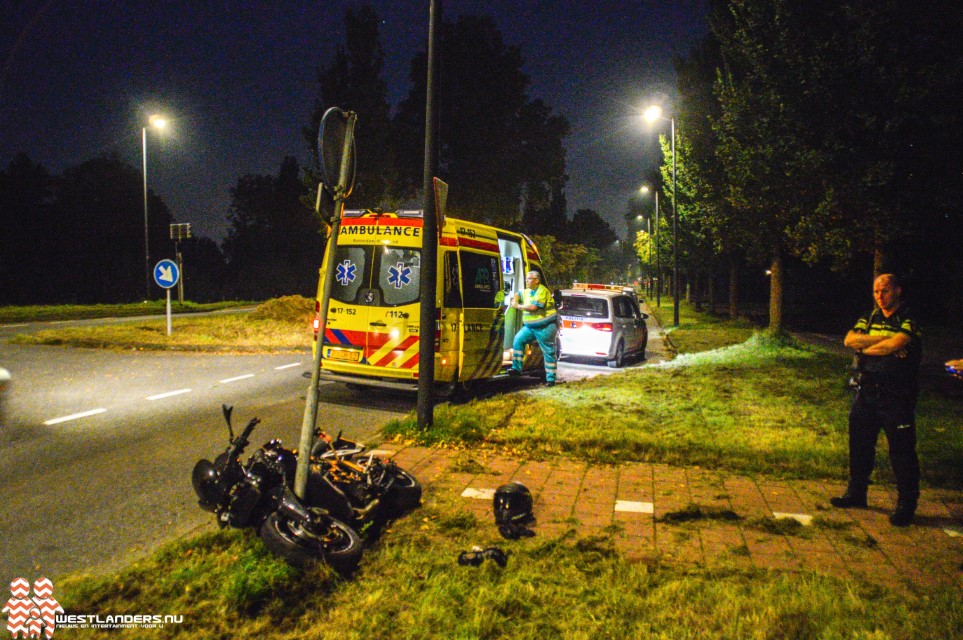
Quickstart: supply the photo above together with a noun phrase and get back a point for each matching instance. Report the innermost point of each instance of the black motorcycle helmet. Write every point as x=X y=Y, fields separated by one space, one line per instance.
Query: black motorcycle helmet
x=513 y=508
x=207 y=485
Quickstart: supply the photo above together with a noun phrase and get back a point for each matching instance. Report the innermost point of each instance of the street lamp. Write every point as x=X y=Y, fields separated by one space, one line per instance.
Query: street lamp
x=652 y=114
x=158 y=122
x=655 y=239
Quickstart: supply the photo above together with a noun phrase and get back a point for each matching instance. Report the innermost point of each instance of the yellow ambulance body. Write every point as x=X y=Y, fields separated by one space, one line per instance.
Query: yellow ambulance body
x=373 y=326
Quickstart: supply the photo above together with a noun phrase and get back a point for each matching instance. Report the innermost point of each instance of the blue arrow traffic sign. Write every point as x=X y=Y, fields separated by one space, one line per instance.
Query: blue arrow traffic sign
x=166 y=273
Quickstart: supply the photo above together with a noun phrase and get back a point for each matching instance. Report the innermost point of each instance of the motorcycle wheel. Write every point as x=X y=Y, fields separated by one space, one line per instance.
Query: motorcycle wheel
x=335 y=542
x=405 y=493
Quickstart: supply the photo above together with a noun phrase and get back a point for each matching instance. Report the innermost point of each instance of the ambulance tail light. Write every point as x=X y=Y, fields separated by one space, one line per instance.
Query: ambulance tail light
x=437 y=330
x=316 y=324
x=602 y=326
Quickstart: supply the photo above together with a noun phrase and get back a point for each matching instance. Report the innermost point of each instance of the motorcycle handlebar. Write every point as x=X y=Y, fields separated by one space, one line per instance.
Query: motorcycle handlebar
x=239 y=443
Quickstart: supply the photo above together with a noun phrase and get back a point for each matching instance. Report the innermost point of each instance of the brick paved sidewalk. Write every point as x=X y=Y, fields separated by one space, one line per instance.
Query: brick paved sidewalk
x=742 y=522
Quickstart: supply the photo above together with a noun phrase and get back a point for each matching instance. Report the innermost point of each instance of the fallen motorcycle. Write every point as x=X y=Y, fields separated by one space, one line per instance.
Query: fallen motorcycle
x=360 y=488
x=258 y=495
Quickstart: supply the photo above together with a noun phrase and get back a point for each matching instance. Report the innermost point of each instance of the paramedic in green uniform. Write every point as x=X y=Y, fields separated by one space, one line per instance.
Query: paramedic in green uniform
x=539 y=324
x=888 y=347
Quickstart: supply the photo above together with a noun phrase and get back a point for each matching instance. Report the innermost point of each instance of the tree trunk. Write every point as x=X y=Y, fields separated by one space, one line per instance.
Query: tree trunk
x=697 y=284
x=775 y=292
x=711 y=291
x=733 y=288
x=879 y=257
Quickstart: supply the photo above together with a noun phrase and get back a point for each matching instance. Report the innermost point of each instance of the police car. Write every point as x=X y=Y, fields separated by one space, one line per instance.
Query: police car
x=601 y=321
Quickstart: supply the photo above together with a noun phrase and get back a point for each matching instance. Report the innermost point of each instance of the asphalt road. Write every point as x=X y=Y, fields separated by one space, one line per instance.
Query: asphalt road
x=96 y=447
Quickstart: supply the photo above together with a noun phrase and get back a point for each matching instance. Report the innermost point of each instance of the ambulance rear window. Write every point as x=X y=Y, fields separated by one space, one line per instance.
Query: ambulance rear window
x=399 y=275
x=351 y=266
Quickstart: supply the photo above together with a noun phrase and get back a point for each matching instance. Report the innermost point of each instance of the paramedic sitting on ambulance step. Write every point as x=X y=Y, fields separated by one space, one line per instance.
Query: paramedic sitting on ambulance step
x=539 y=324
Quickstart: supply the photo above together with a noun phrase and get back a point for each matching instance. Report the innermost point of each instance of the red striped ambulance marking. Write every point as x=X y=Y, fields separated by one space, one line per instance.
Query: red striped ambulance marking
x=478 y=244
x=396 y=353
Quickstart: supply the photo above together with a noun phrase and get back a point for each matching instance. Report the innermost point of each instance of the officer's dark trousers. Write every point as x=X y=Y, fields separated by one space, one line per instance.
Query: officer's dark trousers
x=875 y=408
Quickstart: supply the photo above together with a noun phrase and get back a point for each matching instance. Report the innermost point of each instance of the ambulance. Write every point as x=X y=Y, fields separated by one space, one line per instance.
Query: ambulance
x=373 y=326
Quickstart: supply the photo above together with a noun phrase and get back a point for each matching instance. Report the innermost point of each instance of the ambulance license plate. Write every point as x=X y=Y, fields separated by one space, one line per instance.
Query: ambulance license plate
x=346 y=355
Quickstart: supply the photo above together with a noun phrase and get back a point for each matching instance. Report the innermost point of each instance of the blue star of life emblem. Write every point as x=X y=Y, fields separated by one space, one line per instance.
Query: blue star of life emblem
x=345 y=273
x=399 y=276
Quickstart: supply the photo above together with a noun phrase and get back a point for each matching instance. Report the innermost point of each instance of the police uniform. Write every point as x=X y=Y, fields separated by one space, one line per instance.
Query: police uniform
x=886 y=388
x=539 y=325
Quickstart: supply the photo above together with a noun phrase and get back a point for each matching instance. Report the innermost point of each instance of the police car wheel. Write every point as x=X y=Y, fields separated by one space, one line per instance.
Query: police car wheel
x=619 y=360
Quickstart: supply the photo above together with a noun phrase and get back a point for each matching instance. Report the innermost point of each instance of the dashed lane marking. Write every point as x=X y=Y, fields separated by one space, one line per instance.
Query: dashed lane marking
x=287 y=366
x=161 y=396
x=74 y=416
x=236 y=378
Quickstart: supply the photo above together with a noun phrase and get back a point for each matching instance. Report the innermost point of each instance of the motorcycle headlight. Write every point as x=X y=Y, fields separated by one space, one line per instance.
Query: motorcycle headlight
x=207 y=485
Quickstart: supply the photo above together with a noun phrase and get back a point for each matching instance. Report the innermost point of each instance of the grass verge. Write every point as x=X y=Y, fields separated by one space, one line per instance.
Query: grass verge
x=16 y=314
x=410 y=586
x=276 y=325
x=769 y=405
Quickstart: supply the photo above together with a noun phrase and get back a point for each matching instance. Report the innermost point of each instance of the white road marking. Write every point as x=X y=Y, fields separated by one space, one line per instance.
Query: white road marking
x=75 y=416
x=160 y=396
x=634 y=507
x=287 y=366
x=480 y=494
x=236 y=378
x=802 y=518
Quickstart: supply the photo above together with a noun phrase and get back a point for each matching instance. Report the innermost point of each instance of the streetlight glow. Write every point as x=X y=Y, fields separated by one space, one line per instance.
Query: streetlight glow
x=652 y=113
x=158 y=122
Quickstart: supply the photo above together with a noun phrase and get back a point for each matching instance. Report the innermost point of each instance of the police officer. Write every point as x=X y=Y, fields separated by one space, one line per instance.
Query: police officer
x=539 y=324
x=888 y=346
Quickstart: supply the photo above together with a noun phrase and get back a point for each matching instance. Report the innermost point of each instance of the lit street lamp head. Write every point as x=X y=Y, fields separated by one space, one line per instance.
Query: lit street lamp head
x=158 y=122
x=652 y=113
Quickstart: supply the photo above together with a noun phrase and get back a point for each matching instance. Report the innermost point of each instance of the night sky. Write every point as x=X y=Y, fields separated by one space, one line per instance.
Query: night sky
x=239 y=79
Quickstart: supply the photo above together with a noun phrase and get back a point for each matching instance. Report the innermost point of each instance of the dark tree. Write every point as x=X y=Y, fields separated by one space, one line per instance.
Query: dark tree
x=205 y=271
x=498 y=149
x=353 y=81
x=587 y=227
x=97 y=233
x=27 y=237
x=274 y=245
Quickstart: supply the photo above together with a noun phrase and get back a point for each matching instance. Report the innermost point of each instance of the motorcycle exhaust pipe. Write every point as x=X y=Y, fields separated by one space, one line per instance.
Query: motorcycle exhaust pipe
x=362 y=514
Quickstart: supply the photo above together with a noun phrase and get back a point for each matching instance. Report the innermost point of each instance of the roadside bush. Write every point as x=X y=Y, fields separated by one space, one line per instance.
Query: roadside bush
x=285 y=309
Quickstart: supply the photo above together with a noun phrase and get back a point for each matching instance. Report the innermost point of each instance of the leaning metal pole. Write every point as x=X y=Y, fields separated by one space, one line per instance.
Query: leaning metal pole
x=311 y=400
x=429 y=237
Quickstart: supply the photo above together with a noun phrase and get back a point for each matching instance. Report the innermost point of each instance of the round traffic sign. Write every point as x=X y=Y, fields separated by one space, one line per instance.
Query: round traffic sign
x=166 y=273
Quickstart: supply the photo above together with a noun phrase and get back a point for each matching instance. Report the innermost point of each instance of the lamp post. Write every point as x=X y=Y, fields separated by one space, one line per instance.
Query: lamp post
x=158 y=122
x=652 y=114
x=655 y=239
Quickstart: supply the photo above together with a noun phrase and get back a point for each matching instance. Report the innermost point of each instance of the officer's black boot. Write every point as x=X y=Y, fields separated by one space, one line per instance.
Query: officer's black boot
x=852 y=499
x=905 y=510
